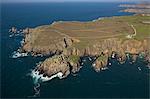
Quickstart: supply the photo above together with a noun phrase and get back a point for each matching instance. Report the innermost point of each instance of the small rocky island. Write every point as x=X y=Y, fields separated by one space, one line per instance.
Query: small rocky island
x=66 y=42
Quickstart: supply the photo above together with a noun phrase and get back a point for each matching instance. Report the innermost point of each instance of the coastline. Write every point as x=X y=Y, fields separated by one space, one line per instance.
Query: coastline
x=133 y=46
x=129 y=78
x=68 y=46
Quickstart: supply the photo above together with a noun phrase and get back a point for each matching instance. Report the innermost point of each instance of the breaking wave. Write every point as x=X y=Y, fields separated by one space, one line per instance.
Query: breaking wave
x=37 y=77
x=17 y=54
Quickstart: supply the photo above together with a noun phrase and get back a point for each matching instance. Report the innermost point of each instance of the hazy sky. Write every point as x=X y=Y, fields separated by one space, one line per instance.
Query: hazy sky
x=69 y=0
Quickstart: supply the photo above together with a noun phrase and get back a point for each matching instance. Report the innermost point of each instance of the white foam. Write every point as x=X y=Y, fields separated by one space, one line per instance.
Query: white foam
x=39 y=77
x=113 y=55
x=100 y=18
x=94 y=57
x=82 y=63
x=22 y=42
x=139 y=69
x=18 y=33
x=109 y=64
x=89 y=59
x=84 y=60
x=11 y=35
x=104 y=68
x=94 y=64
x=17 y=54
x=53 y=23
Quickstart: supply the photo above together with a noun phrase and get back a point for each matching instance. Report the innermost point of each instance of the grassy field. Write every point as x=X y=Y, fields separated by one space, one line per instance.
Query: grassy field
x=90 y=32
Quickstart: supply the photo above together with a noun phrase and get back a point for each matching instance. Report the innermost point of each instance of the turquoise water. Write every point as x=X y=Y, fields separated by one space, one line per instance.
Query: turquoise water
x=118 y=81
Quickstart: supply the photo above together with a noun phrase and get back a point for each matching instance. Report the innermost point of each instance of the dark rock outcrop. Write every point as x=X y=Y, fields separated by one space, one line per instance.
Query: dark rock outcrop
x=59 y=63
x=54 y=65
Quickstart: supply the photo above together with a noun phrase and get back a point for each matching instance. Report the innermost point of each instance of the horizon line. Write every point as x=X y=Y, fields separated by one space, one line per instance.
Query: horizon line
x=70 y=1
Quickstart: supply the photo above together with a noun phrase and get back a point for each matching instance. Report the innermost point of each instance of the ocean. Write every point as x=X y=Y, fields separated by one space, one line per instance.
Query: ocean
x=119 y=81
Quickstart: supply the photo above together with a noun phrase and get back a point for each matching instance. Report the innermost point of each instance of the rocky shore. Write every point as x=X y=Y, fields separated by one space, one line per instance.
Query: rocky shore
x=54 y=65
x=57 y=66
x=114 y=49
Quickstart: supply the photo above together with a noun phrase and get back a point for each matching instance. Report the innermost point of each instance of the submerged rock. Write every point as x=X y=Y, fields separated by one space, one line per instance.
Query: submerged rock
x=13 y=30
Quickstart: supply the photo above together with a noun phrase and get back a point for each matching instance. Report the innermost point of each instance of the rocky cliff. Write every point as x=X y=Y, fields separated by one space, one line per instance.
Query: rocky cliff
x=111 y=48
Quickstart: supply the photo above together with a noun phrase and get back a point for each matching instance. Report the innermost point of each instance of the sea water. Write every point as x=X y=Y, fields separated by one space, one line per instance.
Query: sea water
x=117 y=81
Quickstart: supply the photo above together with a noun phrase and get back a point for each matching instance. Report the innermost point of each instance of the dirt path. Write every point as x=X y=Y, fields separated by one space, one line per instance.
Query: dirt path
x=96 y=37
x=133 y=30
x=100 y=37
x=86 y=37
x=132 y=35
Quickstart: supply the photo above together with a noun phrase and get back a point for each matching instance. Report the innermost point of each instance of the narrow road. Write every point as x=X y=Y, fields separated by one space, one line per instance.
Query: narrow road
x=133 y=30
x=132 y=35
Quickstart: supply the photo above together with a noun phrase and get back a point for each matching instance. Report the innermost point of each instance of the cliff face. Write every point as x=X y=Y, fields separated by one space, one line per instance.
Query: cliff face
x=54 y=65
x=54 y=46
x=108 y=46
x=36 y=41
x=118 y=49
x=59 y=63
x=111 y=48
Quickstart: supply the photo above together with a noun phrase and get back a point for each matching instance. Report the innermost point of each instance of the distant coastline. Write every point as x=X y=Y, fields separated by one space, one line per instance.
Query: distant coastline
x=137 y=8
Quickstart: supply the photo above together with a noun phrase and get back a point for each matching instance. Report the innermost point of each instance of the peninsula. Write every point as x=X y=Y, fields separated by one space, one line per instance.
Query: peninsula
x=102 y=39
